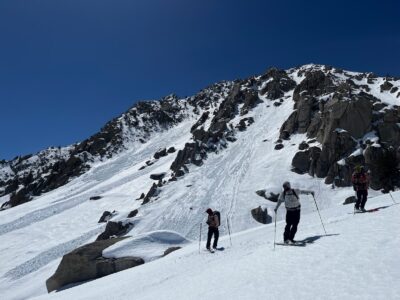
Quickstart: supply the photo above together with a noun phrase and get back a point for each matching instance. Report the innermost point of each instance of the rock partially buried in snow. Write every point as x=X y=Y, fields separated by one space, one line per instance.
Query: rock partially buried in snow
x=261 y=193
x=160 y=153
x=133 y=213
x=105 y=217
x=349 y=200
x=268 y=195
x=171 y=150
x=170 y=250
x=261 y=215
x=114 y=229
x=157 y=176
x=87 y=262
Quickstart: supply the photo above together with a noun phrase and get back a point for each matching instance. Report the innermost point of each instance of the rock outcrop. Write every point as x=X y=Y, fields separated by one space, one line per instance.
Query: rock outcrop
x=261 y=215
x=86 y=263
x=114 y=229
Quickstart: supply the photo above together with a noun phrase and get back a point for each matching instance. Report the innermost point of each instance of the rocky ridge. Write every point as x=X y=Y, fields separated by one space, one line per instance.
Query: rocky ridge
x=348 y=118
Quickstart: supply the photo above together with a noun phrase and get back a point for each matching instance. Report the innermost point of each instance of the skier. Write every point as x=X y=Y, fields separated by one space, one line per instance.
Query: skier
x=213 y=223
x=360 y=180
x=292 y=203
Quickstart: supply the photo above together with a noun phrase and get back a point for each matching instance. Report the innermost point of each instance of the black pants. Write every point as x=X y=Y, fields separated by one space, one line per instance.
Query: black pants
x=212 y=231
x=292 y=220
x=361 y=198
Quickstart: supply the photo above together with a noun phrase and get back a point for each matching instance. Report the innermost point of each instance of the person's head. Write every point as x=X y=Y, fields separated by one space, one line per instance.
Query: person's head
x=358 y=168
x=286 y=185
x=209 y=211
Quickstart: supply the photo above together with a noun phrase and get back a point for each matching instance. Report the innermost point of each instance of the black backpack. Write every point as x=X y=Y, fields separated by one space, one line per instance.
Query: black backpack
x=294 y=193
x=218 y=214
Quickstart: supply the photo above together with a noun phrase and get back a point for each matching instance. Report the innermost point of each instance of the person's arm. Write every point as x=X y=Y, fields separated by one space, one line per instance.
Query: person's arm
x=306 y=192
x=280 y=200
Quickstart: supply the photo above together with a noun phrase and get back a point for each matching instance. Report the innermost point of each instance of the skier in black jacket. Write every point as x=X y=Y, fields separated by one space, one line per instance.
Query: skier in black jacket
x=292 y=204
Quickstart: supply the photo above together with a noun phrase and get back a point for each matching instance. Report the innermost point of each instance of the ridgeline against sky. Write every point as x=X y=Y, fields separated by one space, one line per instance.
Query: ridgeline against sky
x=68 y=67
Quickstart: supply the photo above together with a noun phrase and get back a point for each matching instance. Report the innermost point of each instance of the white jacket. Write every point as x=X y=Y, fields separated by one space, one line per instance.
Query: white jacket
x=291 y=201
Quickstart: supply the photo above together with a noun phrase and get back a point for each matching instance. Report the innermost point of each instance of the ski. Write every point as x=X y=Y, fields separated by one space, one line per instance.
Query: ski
x=366 y=211
x=298 y=244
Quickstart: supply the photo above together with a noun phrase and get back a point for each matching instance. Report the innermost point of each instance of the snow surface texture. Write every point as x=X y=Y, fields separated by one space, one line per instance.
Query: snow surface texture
x=357 y=259
x=38 y=233
x=148 y=246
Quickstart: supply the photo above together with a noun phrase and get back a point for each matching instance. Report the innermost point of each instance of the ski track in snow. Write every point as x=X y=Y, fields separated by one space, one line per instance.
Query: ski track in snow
x=101 y=173
x=47 y=256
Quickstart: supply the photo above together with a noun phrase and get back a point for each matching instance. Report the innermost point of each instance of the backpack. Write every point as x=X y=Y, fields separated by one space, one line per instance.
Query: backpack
x=294 y=193
x=218 y=214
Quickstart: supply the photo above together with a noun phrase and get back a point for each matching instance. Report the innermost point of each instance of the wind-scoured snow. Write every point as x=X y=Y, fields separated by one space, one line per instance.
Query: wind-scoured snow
x=149 y=246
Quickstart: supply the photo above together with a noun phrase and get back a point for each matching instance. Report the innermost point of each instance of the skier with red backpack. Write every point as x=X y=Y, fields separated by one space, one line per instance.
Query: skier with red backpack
x=292 y=204
x=360 y=180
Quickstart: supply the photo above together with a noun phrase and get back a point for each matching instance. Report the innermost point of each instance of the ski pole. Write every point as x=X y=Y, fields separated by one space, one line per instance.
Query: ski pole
x=392 y=198
x=229 y=230
x=200 y=237
x=354 y=208
x=275 y=232
x=315 y=201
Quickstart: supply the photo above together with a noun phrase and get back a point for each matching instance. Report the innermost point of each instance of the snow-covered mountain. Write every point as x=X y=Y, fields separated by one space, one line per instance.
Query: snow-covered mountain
x=158 y=167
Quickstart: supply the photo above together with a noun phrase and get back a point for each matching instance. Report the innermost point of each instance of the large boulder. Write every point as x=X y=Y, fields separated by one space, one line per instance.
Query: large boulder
x=86 y=263
x=301 y=162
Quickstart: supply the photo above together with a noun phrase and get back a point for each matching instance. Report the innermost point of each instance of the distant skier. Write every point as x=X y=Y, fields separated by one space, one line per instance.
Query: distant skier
x=213 y=223
x=360 y=180
x=292 y=204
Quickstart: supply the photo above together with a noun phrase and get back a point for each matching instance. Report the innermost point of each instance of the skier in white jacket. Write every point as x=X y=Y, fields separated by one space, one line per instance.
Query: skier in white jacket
x=292 y=204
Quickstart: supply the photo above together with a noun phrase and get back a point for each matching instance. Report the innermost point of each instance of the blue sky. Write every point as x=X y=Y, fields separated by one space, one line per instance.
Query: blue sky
x=69 y=66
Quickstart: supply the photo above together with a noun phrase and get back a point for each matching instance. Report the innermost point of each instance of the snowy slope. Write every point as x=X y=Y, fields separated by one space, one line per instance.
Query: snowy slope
x=358 y=259
x=38 y=233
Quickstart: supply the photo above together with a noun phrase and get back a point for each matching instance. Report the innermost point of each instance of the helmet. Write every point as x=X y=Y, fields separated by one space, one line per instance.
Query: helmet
x=286 y=185
x=359 y=168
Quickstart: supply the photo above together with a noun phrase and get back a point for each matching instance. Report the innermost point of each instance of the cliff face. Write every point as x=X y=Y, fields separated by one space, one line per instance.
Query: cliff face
x=348 y=118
